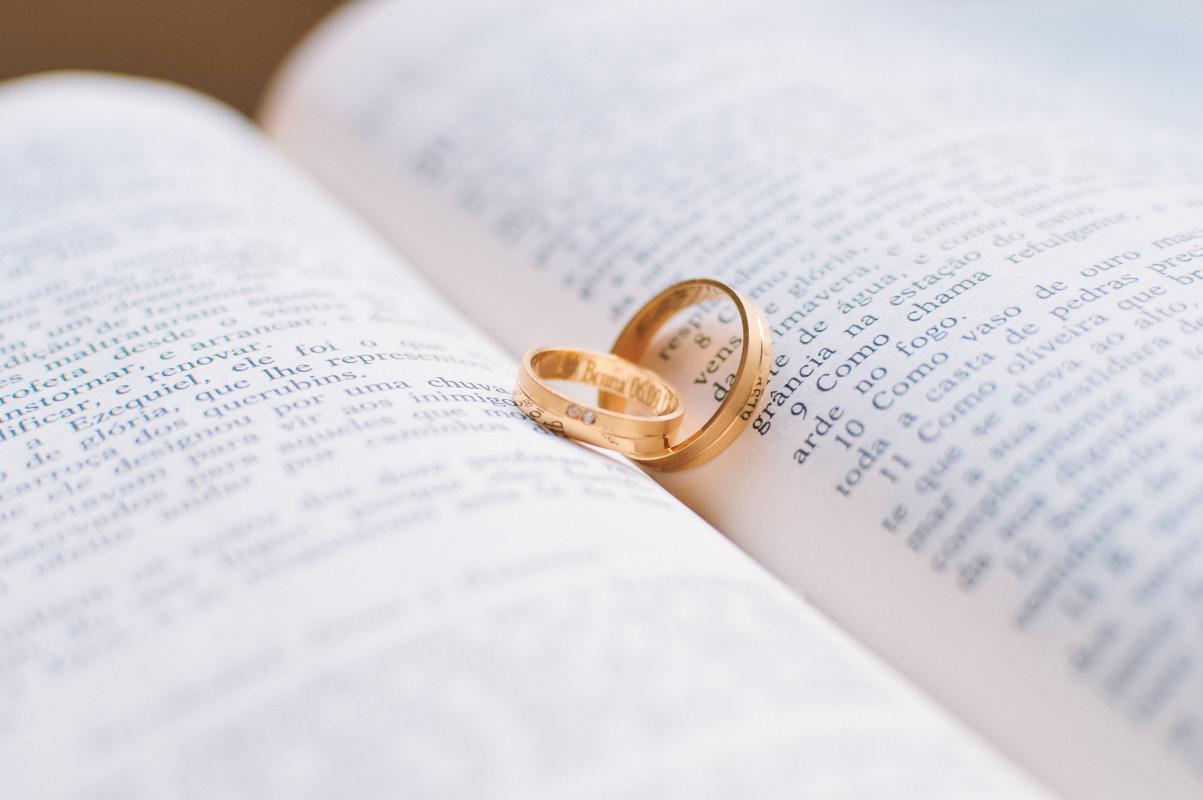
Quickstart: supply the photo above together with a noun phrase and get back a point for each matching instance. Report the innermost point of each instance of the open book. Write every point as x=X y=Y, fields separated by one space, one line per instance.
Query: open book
x=271 y=525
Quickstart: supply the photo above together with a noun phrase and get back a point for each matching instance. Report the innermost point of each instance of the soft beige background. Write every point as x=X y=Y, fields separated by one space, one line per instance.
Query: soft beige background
x=226 y=48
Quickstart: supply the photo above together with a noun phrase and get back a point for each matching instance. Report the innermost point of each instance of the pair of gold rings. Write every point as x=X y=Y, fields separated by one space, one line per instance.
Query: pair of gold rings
x=650 y=440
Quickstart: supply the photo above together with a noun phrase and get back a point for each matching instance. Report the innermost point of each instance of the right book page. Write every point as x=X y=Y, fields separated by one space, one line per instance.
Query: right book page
x=980 y=448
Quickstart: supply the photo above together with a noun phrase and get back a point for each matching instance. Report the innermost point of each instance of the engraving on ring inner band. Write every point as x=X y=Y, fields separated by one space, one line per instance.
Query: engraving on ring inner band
x=632 y=387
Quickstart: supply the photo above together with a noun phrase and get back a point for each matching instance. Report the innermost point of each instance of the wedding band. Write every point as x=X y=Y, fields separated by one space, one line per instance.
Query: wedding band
x=751 y=377
x=629 y=434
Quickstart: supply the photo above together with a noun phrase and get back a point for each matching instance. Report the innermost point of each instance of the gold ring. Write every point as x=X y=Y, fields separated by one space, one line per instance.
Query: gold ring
x=737 y=408
x=629 y=434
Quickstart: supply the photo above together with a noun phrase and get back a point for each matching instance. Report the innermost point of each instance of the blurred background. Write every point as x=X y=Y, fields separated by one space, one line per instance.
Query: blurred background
x=226 y=48
x=1148 y=54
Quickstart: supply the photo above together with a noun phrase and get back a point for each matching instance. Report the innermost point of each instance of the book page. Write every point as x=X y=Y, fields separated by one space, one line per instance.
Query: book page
x=270 y=524
x=981 y=445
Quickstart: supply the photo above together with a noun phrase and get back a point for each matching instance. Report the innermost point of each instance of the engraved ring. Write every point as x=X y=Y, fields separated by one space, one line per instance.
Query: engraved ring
x=630 y=434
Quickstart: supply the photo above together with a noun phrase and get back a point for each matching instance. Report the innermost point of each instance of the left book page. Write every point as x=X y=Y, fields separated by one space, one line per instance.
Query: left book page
x=270 y=526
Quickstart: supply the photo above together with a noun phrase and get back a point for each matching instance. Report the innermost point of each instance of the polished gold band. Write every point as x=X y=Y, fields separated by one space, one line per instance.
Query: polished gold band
x=751 y=377
x=629 y=434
